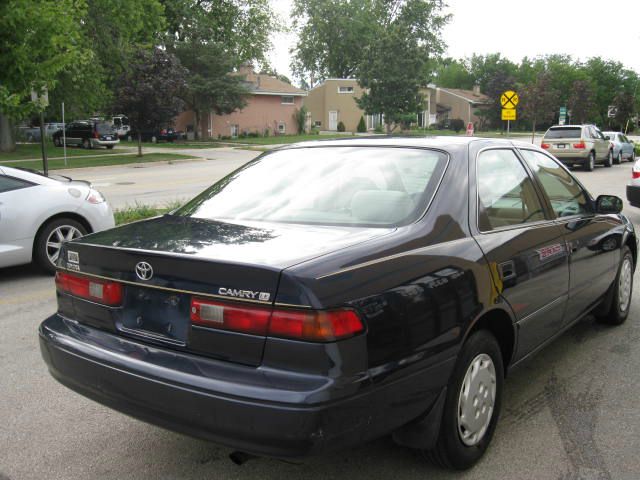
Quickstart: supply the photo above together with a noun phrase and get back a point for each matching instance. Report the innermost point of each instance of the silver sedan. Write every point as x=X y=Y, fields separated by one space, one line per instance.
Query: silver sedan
x=623 y=148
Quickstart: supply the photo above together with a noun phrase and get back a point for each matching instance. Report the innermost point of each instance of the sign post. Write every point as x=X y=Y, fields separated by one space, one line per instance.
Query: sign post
x=470 y=129
x=509 y=100
x=42 y=100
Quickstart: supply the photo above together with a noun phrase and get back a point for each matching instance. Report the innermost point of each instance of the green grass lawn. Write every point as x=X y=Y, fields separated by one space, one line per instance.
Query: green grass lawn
x=140 y=212
x=80 y=162
x=32 y=150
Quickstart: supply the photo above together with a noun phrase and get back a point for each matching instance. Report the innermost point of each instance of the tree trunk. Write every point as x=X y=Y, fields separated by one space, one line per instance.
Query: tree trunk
x=197 y=129
x=388 y=124
x=139 y=144
x=7 y=142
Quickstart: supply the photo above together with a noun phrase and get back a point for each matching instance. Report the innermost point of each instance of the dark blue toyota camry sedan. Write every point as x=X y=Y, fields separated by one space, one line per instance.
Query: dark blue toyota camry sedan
x=333 y=292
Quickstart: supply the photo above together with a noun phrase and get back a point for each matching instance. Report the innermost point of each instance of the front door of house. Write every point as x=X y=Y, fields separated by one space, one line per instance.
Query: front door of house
x=333 y=120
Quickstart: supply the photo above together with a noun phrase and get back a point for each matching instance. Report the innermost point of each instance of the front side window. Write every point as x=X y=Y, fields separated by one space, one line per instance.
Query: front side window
x=9 y=183
x=565 y=194
x=351 y=186
x=506 y=195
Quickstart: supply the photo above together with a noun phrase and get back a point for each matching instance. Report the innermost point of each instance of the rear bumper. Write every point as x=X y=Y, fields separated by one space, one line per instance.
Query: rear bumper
x=257 y=410
x=570 y=158
x=633 y=195
x=103 y=143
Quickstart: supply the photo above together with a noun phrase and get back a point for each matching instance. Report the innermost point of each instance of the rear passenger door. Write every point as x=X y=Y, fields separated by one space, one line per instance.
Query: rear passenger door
x=525 y=248
x=593 y=240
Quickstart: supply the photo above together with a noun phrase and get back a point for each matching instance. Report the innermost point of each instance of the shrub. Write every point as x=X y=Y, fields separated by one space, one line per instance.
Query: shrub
x=300 y=117
x=457 y=125
x=379 y=129
x=362 y=127
x=341 y=127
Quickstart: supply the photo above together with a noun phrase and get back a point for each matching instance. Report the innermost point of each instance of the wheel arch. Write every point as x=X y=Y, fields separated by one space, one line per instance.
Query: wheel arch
x=72 y=215
x=500 y=323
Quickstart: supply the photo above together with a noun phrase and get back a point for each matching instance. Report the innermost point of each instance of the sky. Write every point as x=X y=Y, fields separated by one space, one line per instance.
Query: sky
x=517 y=28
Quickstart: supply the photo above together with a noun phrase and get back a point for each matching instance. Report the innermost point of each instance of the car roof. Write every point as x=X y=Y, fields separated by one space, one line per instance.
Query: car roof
x=437 y=142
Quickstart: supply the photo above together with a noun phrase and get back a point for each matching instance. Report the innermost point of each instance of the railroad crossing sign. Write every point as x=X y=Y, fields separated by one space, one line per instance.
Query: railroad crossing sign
x=509 y=99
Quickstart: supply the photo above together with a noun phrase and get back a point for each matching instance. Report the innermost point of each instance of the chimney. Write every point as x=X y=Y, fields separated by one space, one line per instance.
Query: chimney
x=476 y=89
x=245 y=69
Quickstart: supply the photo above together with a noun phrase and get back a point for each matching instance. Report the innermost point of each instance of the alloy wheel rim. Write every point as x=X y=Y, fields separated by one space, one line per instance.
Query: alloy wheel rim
x=624 y=284
x=63 y=233
x=592 y=161
x=476 y=400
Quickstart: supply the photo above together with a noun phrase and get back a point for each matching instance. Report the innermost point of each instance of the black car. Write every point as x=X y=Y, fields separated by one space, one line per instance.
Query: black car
x=333 y=292
x=154 y=135
x=87 y=134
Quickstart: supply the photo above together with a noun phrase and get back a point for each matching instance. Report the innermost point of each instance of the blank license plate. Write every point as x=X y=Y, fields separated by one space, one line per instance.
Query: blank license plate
x=561 y=145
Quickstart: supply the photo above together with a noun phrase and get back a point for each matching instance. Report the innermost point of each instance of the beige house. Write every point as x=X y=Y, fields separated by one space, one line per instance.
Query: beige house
x=334 y=101
x=456 y=103
x=270 y=107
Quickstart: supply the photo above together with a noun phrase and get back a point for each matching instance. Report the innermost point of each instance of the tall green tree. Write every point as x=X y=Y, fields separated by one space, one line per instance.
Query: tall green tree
x=209 y=83
x=398 y=60
x=149 y=90
x=581 y=102
x=38 y=40
x=451 y=73
x=538 y=101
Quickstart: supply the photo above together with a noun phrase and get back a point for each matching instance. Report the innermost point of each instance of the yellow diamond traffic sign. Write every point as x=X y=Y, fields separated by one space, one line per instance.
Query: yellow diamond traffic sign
x=508 y=114
x=509 y=99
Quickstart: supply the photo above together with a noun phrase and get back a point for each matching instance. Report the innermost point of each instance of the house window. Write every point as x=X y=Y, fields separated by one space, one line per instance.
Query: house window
x=317 y=123
x=287 y=100
x=282 y=127
x=345 y=89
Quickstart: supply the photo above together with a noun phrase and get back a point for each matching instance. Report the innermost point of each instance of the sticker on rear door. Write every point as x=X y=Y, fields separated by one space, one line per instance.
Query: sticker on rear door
x=550 y=251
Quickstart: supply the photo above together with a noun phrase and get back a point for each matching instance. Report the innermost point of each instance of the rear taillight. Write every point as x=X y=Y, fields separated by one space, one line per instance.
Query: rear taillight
x=635 y=174
x=100 y=291
x=579 y=145
x=308 y=325
x=163 y=132
x=545 y=145
x=95 y=134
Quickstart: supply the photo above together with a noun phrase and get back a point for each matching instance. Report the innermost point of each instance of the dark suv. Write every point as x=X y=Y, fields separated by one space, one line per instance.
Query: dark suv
x=88 y=134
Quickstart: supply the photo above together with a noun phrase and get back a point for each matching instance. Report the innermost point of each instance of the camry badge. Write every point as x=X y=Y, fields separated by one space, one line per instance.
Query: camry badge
x=144 y=271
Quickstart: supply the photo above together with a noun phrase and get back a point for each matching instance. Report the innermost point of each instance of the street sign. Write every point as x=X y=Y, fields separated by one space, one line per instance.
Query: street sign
x=612 y=111
x=562 y=119
x=508 y=114
x=470 y=129
x=509 y=100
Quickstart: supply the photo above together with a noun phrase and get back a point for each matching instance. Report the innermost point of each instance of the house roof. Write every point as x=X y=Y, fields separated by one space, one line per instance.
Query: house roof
x=260 y=84
x=468 y=95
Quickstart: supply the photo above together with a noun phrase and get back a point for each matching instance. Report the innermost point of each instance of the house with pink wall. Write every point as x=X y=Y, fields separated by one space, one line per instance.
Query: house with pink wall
x=271 y=106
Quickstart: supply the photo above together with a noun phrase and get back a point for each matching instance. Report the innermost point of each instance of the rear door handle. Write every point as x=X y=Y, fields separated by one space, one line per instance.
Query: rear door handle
x=507 y=270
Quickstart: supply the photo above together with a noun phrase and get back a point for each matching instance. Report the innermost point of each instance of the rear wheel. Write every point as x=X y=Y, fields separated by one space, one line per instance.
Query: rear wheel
x=57 y=142
x=632 y=158
x=472 y=405
x=86 y=143
x=609 y=160
x=590 y=162
x=618 y=159
x=622 y=290
x=110 y=147
x=50 y=239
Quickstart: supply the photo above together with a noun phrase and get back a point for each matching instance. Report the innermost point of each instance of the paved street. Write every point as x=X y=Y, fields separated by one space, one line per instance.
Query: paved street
x=569 y=413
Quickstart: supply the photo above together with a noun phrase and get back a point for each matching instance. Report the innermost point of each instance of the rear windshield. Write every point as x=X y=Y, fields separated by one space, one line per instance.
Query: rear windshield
x=356 y=186
x=563 y=132
x=104 y=127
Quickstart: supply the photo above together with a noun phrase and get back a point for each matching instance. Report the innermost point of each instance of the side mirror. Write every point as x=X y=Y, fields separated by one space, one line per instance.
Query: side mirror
x=608 y=204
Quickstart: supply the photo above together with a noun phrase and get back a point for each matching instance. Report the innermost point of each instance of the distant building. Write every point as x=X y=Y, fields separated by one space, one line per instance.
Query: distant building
x=271 y=107
x=334 y=101
x=456 y=103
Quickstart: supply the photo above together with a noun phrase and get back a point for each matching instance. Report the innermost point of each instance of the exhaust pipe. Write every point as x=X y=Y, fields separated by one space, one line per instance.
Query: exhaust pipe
x=240 y=458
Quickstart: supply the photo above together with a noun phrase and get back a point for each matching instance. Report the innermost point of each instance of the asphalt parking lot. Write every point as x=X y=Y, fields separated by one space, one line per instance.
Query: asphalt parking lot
x=569 y=413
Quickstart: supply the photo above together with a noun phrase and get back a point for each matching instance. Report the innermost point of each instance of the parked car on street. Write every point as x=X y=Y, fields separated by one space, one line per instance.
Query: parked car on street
x=38 y=214
x=622 y=147
x=578 y=144
x=154 y=135
x=332 y=292
x=88 y=134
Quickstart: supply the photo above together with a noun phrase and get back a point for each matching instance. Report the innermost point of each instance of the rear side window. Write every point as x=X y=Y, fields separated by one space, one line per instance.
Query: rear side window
x=566 y=196
x=9 y=183
x=563 y=132
x=104 y=128
x=506 y=195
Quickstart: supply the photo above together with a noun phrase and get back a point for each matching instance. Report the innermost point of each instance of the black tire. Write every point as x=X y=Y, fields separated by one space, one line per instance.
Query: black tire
x=618 y=159
x=40 y=255
x=450 y=451
x=590 y=162
x=609 y=160
x=110 y=147
x=632 y=158
x=57 y=142
x=618 y=312
x=86 y=143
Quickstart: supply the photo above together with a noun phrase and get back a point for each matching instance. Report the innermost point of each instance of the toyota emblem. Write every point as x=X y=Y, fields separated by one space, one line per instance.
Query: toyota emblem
x=144 y=271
